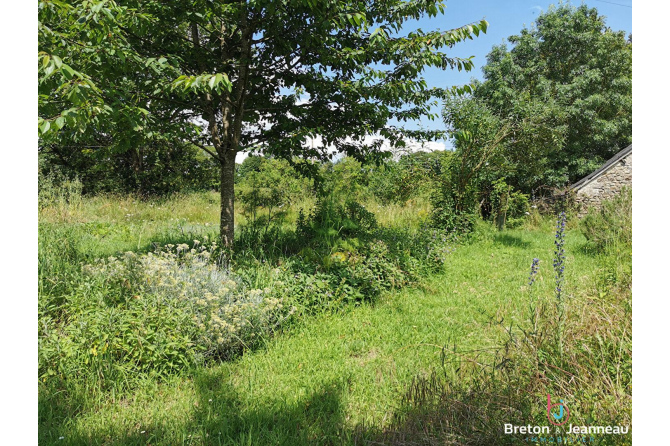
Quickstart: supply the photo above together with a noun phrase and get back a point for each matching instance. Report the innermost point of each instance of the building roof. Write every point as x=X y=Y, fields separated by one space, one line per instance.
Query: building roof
x=604 y=168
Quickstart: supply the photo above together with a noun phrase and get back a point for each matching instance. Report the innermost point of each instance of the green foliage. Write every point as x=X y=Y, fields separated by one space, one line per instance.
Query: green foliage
x=317 y=292
x=341 y=255
x=467 y=187
x=413 y=175
x=509 y=207
x=333 y=272
x=455 y=198
x=82 y=59
x=329 y=221
x=346 y=177
x=565 y=88
x=518 y=209
x=551 y=109
x=59 y=192
x=156 y=168
x=609 y=227
x=266 y=188
x=449 y=213
x=490 y=147
x=371 y=271
x=120 y=77
x=123 y=318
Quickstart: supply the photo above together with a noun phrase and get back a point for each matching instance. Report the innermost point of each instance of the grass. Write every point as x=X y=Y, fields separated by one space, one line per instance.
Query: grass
x=393 y=371
x=333 y=379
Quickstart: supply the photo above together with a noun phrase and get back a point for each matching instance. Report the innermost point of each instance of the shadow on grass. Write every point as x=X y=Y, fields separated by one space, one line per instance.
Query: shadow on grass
x=510 y=240
x=433 y=411
x=316 y=419
x=218 y=417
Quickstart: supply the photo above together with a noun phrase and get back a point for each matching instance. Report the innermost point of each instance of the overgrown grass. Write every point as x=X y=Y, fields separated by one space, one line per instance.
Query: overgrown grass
x=412 y=367
x=578 y=349
x=115 y=312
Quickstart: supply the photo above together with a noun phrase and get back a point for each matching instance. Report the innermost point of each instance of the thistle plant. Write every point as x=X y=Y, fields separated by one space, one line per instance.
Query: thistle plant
x=534 y=269
x=559 y=269
x=559 y=254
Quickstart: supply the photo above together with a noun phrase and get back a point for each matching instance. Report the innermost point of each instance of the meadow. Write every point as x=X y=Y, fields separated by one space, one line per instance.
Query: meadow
x=441 y=343
x=377 y=293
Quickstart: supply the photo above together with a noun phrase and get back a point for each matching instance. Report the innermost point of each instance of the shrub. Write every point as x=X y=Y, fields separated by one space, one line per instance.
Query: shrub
x=316 y=292
x=370 y=272
x=227 y=316
x=157 y=167
x=155 y=313
x=509 y=207
x=266 y=188
x=448 y=216
x=330 y=221
x=411 y=176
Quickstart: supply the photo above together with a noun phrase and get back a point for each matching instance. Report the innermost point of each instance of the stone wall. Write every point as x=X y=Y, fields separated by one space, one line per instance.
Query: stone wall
x=607 y=185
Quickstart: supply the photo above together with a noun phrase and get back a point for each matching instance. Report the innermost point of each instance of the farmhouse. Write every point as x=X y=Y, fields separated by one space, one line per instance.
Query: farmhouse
x=606 y=182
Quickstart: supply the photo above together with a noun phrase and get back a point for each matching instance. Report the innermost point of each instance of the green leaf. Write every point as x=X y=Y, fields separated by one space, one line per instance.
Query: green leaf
x=45 y=126
x=48 y=71
x=67 y=71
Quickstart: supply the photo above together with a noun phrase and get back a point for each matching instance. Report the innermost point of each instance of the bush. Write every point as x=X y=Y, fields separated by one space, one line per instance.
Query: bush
x=153 y=314
x=346 y=257
x=411 y=176
x=266 y=188
x=330 y=221
x=158 y=167
x=610 y=225
x=448 y=216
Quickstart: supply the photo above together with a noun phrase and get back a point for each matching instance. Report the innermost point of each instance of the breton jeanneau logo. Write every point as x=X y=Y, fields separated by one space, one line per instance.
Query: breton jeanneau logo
x=558 y=413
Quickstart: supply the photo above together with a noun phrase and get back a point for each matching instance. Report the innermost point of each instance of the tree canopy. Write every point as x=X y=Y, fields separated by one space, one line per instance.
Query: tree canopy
x=562 y=97
x=239 y=75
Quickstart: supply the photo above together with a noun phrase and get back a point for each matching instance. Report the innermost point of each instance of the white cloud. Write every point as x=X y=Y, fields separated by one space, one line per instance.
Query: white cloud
x=240 y=157
x=411 y=145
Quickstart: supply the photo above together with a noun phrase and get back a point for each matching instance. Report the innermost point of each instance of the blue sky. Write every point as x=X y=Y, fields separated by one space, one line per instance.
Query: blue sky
x=506 y=18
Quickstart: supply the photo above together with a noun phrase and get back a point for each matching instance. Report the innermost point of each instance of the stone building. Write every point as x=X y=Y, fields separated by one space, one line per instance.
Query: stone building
x=606 y=182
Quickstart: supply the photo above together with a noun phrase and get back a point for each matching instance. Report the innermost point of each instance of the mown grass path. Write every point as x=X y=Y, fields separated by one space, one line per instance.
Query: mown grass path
x=317 y=382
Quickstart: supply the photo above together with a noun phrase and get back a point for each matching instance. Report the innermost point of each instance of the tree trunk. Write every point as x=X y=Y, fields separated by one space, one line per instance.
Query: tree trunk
x=227 y=228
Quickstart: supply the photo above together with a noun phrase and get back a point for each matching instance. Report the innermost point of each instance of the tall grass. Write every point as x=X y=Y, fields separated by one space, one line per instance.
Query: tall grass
x=126 y=295
x=589 y=366
x=338 y=377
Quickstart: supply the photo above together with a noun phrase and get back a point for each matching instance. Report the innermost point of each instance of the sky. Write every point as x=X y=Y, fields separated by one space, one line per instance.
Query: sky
x=506 y=18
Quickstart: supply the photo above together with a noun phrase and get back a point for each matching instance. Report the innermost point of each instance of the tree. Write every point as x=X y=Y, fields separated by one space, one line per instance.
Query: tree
x=565 y=87
x=236 y=76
